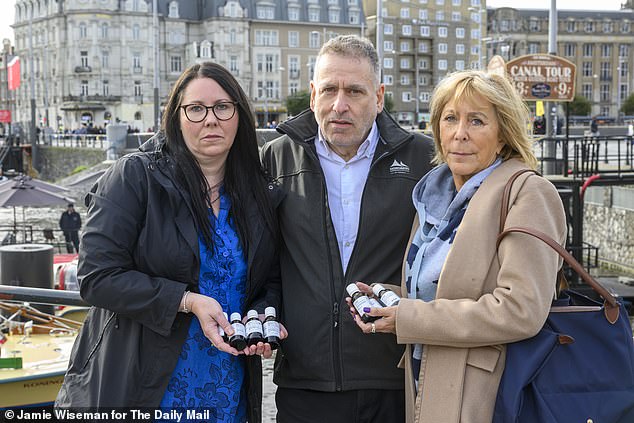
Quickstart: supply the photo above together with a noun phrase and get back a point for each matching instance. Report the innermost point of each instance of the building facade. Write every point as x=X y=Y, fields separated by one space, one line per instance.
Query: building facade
x=599 y=43
x=91 y=62
x=420 y=42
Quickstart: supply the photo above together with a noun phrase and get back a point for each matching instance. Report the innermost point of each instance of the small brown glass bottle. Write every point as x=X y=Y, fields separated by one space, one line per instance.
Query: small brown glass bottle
x=386 y=296
x=238 y=339
x=254 y=328
x=271 y=328
x=360 y=301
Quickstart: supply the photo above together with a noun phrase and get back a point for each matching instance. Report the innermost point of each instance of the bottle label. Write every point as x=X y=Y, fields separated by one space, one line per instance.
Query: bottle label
x=238 y=329
x=271 y=328
x=374 y=303
x=390 y=298
x=361 y=303
x=253 y=326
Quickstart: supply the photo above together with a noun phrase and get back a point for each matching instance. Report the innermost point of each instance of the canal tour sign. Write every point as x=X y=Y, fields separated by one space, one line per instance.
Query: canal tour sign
x=543 y=77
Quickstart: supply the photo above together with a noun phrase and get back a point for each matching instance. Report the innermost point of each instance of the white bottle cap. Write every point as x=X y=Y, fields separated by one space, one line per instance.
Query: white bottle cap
x=269 y=311
x=236 y=316
x=376 y=288
x=251 y=314
x=226 y=316
x=352 y=288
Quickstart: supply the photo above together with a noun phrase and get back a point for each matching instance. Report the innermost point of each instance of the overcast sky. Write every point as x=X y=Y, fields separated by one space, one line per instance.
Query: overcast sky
x=8 y=9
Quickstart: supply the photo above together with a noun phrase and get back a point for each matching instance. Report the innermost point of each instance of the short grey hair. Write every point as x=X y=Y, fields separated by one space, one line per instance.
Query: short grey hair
x=352 y=46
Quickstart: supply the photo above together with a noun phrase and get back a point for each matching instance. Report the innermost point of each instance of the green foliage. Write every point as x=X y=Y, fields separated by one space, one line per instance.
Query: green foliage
x=388 y=103
x=580 y=106
x=78 y=169
x=627 y=108
x=297 y=102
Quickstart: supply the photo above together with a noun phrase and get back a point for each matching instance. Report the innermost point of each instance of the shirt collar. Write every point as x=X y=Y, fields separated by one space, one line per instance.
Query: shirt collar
x=366 y=149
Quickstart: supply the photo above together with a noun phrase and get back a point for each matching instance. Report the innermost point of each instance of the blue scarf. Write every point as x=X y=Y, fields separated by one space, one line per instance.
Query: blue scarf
x=440 y=210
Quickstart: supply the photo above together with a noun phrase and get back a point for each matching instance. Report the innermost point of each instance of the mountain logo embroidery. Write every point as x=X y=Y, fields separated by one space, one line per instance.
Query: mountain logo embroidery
x=398 y=168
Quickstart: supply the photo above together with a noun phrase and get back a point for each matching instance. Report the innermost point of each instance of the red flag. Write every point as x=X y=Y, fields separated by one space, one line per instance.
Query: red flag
x=13 y=73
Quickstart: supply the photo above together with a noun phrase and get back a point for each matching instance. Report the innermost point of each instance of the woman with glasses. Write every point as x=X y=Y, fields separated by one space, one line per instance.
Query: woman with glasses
x=178 y=234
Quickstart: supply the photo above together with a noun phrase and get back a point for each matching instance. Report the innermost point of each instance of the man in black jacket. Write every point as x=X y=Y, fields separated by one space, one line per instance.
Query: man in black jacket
x=347 y=169
x=70 y=223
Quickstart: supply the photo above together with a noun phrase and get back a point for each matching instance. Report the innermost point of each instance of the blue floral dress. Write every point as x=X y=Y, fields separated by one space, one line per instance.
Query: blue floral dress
x=206 y=379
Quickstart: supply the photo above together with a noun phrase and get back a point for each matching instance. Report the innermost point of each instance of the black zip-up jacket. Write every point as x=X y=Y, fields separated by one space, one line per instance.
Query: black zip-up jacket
x=325 y=350
x=139 y=254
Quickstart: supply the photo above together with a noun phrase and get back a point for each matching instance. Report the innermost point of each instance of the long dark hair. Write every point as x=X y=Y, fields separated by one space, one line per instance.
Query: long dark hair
x=244 y=181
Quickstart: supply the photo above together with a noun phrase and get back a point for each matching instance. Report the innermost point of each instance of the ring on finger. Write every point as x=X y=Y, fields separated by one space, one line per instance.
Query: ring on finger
x=373 y=330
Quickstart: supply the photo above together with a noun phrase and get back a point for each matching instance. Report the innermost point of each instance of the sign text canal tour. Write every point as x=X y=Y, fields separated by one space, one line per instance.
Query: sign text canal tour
x=543 y=77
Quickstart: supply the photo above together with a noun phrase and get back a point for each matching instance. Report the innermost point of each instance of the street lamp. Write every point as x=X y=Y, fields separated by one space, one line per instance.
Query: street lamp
x=479 y=10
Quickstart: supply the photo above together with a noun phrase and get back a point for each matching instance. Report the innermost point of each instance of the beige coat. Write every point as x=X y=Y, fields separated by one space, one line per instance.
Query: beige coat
x=484 y=300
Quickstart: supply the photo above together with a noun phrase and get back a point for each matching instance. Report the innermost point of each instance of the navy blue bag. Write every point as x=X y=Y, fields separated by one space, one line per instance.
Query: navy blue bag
x=578 y=368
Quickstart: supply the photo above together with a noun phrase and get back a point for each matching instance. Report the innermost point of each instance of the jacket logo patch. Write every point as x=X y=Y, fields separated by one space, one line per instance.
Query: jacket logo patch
x=398 y=168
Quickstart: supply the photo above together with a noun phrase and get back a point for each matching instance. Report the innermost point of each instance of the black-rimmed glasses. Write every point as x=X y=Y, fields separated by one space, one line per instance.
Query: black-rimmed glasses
x=198 y=112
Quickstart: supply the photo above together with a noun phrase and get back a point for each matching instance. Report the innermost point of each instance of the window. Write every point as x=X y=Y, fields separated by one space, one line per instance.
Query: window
x=388 y=79
x=440 y=16
x=606 y=50
x=442 y=64
x=105 y=88
x=333 y=14
x=293 y=13
x=425 y=31
x=407 y=30
x=587 y=69
x=83 y=57
x=205 y=49
x=623 y=92
x=405 y=13
x=173 y=9
x=265 y=12
x=424 y=64
x=405 y=63
x=606 y=71
x=404 y=46
x=586 y=91
x=455 y=2
x=423 y=47
x=571 y=26
x=456 y=16
x=105 y=59
x=588 y=50
x=622 y=69
x=136 y=62
x=624 y=50
x=176 y=65
x=265 y=37
x=354 y=17
x=533 y=48
x=588 y=26
x=136 y=32
x=406 y=96
x=270 y=63
x=570 y=49
x=104 y=31
x=405 y=80
x=533 y=25
x=475 y=34
x=422 y=14
x=313 y=39
x=608 y=27
x=442 y=48
x=293 y=38
x=233 y=65
x=442 y=31
x=625 y=27
x=459 y=65
x=388 y=63
x=293 y=67
x=459 y=32
x=137 y=89
x=460 y=49
x=604 y=92
x=84 y=88
x=83 y=31
x=388 y=45
x=388 y=29
x=313 y=13
x=232 y=37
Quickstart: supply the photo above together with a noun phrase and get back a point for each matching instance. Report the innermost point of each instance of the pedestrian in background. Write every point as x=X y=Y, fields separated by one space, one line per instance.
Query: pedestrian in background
x=347 y=170
x=176 y=234
x=70 y=224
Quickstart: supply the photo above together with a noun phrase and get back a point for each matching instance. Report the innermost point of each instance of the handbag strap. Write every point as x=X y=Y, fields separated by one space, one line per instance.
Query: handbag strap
x=507 y=194
x=611 y=306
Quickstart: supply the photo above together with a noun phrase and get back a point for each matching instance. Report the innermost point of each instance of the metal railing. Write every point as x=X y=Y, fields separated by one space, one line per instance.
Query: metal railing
x=99 y=141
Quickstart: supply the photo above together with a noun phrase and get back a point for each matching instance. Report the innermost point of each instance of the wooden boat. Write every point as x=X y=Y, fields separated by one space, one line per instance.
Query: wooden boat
x=34 y=347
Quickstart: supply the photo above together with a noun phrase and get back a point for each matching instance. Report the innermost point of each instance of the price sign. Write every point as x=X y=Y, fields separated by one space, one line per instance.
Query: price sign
x=543 y=77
